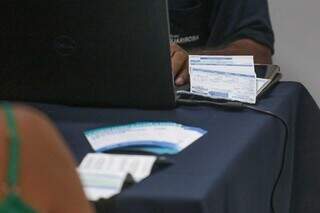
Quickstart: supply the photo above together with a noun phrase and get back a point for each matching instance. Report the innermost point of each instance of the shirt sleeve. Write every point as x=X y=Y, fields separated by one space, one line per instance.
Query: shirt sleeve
x=231 y=20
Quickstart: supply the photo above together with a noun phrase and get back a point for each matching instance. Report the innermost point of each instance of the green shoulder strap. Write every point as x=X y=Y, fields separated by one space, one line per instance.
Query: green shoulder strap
x=14 y=149
x=12 y=202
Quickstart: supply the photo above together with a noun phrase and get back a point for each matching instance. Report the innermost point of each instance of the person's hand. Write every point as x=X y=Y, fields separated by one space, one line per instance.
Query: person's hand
x=179 y=63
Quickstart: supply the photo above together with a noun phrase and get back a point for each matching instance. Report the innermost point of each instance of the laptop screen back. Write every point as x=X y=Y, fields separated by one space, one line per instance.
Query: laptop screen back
x=82 y=52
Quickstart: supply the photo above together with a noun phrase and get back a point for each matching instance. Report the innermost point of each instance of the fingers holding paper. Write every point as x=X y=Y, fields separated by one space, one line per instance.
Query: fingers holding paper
x=179 y=63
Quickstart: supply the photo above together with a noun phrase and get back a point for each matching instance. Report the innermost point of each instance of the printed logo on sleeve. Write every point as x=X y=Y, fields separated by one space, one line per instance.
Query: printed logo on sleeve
x=183 y=39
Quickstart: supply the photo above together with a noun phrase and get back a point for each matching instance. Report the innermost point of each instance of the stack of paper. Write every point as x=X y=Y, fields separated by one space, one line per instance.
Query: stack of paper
x=155 y=137
x=103 y=175
x=224 y=77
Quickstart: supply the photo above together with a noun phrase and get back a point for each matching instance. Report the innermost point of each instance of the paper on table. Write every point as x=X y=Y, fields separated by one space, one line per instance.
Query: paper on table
x=139 y=166
x=168 y=135
x=101 y=184
x=103 y=175
x=223 y=77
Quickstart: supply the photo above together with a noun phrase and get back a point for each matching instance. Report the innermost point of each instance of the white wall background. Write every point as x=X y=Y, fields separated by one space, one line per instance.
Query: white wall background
x=297 y=29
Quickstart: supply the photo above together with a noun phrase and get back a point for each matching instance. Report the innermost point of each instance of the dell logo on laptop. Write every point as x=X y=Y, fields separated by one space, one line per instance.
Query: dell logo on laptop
x=64 y=45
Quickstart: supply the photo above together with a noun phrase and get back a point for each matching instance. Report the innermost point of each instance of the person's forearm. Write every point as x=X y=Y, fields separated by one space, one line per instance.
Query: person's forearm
x=261 y=53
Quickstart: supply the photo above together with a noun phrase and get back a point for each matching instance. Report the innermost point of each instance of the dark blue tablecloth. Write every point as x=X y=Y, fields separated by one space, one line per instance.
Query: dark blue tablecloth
x=232 y=169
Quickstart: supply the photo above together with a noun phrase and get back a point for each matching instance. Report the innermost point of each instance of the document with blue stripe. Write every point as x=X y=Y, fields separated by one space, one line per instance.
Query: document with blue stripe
x=223 y=77
x=153 y=137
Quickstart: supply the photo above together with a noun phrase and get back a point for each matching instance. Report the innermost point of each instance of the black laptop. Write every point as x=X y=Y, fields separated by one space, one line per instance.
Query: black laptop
x=89 y=53
x=83 y=52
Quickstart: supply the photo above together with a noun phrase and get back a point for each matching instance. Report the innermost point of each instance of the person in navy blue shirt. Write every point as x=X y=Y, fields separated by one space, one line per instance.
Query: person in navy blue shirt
x=218 y=27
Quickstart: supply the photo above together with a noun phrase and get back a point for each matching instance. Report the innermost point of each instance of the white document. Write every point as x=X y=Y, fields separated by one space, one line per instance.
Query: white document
x=139 y=166
x=103 y=175
x=223 y=77
x=101 y=184
x=167 y=135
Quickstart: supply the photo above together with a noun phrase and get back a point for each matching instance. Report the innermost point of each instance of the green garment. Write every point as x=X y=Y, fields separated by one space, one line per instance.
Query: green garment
x=13 y=203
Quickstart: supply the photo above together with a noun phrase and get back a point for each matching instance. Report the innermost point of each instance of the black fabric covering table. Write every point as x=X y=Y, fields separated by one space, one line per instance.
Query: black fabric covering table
x=232 y=169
